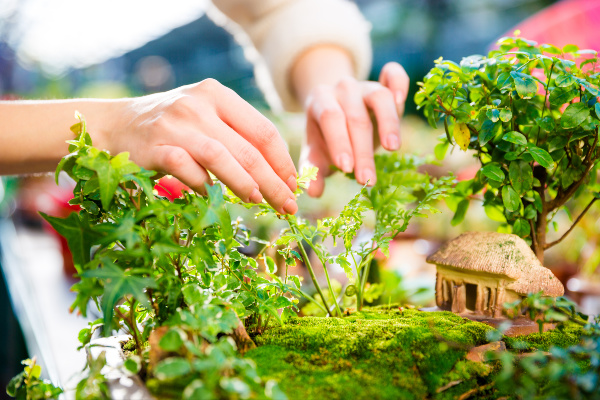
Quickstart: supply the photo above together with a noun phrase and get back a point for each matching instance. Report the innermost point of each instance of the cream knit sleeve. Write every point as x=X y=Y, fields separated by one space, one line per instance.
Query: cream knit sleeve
x=281 y=30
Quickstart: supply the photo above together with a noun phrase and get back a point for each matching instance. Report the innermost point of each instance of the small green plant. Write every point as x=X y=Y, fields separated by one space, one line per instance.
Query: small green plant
x=560 y=372
x=28 y=386
x=531 y=115
x=173 y=274
x=400 y=194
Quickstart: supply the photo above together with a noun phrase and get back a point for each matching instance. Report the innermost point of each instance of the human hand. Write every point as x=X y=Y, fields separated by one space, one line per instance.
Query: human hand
x=339 y=131
x=191 y=130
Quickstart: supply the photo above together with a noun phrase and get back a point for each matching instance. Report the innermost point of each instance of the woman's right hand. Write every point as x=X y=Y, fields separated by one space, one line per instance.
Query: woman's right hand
x=191 y=130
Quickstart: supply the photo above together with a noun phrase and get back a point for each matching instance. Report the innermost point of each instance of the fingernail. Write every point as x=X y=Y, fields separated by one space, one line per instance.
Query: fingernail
x=291 y=182
x=393 y=142
x=345 y=163
x=290 y=206
x=256 y=197
x=368 y=177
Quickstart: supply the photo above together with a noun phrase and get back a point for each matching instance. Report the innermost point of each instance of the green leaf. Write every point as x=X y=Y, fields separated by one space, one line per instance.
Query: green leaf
x=521 y=227
x=493 y=171
x=597 y=109
x=440 y=150
x=116 y=286
x=526 y=85
x=270 y=265
x=493 y=114
x=565 y=80
x=574 y=115
x=547 y=123
x=541 y=156
x=505 y=115
x=172 y=368
x=560 y=96
x=193 y=294
x=197 y=390
x=77 y=231
x=133 y=364
x=570 y=48
x=494 y=213
x=461 y=211
x=109 y=171
x=530 y=212
x=15 y=385
x=516 y=138
x=537 y=201
x=510 y=198
x=171 y=341
x=521 y=176
x=488 y=131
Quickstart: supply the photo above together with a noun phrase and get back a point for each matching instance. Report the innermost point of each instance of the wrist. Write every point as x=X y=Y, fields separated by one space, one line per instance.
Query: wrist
x=103 y=118
x=320 y=65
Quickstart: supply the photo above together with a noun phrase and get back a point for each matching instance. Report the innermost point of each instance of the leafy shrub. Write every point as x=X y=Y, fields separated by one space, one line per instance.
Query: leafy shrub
x=531 y=115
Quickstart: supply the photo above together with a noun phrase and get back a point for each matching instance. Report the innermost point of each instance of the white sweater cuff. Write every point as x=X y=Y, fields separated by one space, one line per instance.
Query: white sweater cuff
x=305 y=24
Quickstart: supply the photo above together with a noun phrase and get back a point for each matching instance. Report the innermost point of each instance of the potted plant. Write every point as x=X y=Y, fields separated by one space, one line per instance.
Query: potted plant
x=530 y=114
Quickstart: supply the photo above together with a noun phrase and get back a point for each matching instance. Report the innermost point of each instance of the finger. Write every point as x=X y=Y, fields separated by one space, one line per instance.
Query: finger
x=258 y=131
x=329 y=116
x=275 y=191
x=176 y=161
x=381 y=101
x=394 y=77
x=216 y=158
x=360 y=130
x=314 y=154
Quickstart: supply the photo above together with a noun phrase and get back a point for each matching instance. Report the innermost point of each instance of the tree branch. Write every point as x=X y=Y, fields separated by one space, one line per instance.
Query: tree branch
x=548 y=245
x=533 y=234
x=589 y=162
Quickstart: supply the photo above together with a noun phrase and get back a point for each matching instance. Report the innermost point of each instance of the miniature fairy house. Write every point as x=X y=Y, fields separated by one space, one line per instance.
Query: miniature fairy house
x=479 y=271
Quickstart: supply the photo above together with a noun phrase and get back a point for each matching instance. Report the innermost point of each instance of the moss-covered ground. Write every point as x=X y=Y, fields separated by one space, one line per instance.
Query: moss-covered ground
x=384 y=353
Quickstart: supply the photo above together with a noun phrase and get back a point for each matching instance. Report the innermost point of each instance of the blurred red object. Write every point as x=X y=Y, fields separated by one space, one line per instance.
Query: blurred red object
x=566 y=22
x=171 y=188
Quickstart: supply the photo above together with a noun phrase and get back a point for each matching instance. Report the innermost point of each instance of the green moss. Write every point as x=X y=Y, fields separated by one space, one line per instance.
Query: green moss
x=569 y=336
x=376 y=354
x=383 y=353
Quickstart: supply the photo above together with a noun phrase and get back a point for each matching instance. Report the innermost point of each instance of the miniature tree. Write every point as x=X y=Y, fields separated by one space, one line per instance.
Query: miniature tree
x=530 y=114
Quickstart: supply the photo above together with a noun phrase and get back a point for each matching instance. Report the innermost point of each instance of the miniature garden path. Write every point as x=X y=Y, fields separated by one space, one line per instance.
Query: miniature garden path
x=384 y=354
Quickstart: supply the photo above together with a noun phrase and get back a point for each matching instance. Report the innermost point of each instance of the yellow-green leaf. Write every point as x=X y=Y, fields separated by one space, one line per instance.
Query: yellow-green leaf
x=462 y=136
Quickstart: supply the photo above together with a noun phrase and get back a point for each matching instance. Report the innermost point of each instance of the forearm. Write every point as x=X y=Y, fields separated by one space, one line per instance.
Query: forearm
x=321 y=65
x=33 y=133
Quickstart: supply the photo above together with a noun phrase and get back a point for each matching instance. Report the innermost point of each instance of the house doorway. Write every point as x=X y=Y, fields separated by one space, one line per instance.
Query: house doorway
x=471 y=296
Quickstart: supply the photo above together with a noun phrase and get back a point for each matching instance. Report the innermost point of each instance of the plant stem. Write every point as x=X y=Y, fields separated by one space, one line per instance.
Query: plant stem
x=548 y=245
x=312 y=300
x=363 y=280
x=311 y=271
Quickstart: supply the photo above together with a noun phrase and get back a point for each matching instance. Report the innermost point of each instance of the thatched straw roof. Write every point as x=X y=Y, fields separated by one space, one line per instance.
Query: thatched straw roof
x=501 y=254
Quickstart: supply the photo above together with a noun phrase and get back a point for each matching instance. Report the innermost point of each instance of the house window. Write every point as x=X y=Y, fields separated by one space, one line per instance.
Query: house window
x=471 y=294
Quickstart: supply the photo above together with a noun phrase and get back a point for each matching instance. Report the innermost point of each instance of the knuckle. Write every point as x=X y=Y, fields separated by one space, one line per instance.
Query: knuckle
x=182 y=107
x=347 y=84
x=211 y=152
x=174 y=159
x=278 y=192
x=359 y=121
x=330 y=114
x=266 y=133
x=381 y=93
x=209 y=84
x=248 y=157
